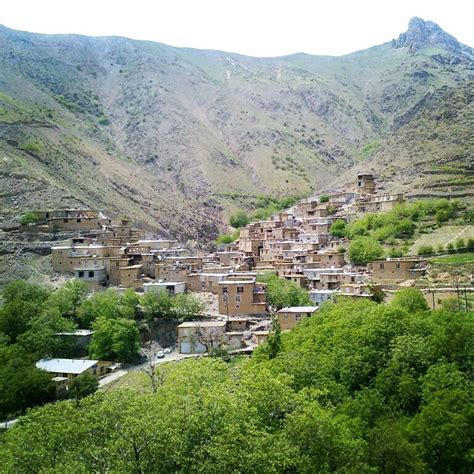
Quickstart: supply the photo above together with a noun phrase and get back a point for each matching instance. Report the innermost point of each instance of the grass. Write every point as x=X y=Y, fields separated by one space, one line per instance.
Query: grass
x=454 y=259
x=442 y=236
x=139 y=381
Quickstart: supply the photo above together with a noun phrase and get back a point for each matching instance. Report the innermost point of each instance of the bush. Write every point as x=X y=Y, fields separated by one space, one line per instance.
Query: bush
x=450 y=247
x=425 y=250
x=364 y=250
x=338 y=228
x=31 y=147
x=440 y=248
x=239 y=219
x=395 y=253
x=470 y=244
x=28 y=218
x=460 y=244
x=324 y=198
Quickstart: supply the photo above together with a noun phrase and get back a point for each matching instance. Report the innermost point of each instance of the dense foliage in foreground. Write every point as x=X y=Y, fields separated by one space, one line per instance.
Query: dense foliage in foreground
x=359 y=388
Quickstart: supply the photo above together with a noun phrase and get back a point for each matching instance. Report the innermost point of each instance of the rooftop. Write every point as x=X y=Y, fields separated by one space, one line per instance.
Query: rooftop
x=65 y=366
x=202 y=324
x=299 y=309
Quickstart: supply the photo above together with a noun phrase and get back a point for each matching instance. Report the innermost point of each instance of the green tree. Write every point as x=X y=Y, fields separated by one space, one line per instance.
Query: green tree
x=114 y=339
x=239 y=219
x=460 y=243
x=68 y=298
x=83 y=385
x=364 y=250
x=22 y=385
x=282 y=293
x=323 y=198
x=157 y=305
x=274 y=338
x=22 y=303
x=425 y=250
x=338 y=228
x=29 y=217
x=410 y=299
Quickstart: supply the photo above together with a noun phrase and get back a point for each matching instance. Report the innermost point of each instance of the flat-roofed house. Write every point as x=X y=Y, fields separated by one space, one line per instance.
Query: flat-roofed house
x=289 y=317
x=70 y=368
x=396 y=269
x=199 y=337
x=242 y=297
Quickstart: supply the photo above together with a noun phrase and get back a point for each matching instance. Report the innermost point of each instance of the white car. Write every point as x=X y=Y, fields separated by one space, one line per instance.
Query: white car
x=160 y=355
x=168 y=350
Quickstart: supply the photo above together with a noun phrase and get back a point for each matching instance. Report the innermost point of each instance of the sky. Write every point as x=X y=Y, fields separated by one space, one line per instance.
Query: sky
x=252 y=27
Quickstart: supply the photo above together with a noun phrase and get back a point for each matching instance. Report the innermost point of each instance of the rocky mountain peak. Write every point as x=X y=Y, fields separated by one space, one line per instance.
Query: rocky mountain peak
x=421 y=34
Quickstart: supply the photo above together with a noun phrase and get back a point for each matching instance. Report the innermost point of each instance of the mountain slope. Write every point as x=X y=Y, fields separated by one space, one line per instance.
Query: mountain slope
x=176 y=137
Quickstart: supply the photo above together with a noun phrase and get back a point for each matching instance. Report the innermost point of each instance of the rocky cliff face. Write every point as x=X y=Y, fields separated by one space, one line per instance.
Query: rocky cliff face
x=178 y=138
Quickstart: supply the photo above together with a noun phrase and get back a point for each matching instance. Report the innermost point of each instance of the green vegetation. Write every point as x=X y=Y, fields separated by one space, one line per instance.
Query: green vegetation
x=282 y=293
x=28 y=218
x=31 y=316
x=456 y=259
x=363 y=250
x=323 y=199
x=239 y=219
x=161 y=305
x=425 y=250
x=338 y=228
x=83 y=385
x=32 y=146
x=264 y=207
x=362 y=387
x=228 y=238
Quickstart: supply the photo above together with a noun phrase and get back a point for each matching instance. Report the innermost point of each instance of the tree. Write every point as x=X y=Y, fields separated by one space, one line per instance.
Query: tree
x=364 y=250
x=29 y=218
x=323 y=198
x=83 y=385
x=187 y=307
x=460 y=243
x=410 y=299
x=282 y=293
x=23 y=302
x=114 y=339
x=68 y=298
x=338 y=228
x=22 y=385
x=425 y=250
x=156 y=305
x=239 y=219
x=274 y=338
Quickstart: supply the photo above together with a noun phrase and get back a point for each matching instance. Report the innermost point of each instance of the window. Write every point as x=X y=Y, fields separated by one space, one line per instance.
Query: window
x=81 y=274
x=91 y=273
x=237 y=298
x=298 y=317
x=78 y=220
x=224 y=289
x=398 y=265
x=352 y=279
x=240 y=289
x=381 y=266
x=65 y=221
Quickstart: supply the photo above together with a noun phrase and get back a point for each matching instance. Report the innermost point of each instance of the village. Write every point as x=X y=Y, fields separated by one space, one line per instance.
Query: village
x=295 y=245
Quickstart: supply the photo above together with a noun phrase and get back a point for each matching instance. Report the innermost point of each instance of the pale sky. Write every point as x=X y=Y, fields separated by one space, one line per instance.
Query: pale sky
x=253 y=27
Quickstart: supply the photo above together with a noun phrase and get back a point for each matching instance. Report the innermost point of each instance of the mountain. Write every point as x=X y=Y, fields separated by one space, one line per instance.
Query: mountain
x=177 y=138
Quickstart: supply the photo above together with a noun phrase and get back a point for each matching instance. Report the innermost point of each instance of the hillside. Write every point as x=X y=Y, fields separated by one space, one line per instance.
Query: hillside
x=176 y=138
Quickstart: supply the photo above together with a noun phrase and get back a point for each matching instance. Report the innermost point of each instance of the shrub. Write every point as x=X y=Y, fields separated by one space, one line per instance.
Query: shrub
x=395 y=253
x=460 y=244
x=450 y=247
x=31 y=147
x=364 y=250
x=338 y=228
x=440 y=248
x=28 y=218
x=425 y=250
x=470 y=244
x=239 y=219
x=324 y=198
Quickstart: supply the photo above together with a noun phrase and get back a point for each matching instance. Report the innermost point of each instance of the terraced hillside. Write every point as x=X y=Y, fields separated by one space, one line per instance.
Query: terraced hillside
x=170 y=136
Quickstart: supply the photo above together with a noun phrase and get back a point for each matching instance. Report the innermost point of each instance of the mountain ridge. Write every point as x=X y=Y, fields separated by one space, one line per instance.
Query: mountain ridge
x=156 y=131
